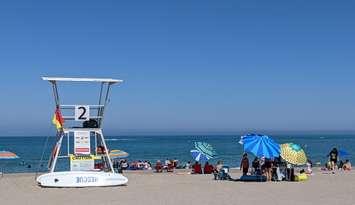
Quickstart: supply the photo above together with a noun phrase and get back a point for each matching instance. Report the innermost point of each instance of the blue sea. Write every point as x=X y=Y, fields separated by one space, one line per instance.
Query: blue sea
x=153 y=148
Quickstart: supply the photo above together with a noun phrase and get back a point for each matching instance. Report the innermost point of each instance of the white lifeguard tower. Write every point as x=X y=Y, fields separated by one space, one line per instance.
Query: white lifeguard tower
x=86 y=150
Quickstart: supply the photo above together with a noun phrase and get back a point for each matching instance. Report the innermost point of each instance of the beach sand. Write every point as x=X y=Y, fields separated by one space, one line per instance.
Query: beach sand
x=182 y=188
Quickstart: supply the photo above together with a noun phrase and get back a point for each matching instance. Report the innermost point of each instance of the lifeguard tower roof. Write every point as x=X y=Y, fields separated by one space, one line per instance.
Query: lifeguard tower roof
x=100 y=80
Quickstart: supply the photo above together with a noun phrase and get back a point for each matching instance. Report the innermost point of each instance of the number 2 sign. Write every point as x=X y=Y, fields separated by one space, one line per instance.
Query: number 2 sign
x=82 y=112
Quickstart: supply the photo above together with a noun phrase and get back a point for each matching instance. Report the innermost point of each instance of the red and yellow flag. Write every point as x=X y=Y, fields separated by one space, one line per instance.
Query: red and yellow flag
x=58 y=120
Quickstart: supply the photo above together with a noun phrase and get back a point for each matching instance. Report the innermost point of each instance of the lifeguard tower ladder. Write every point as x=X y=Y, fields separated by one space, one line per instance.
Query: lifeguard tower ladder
x=90 y=163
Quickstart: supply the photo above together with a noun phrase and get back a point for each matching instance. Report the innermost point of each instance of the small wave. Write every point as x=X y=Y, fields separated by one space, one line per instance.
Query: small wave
x=114 y=139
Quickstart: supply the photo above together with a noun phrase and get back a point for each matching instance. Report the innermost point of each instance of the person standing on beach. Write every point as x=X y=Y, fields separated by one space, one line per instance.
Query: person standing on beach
x=256 y=166
x=333 y=158
x=244 y=164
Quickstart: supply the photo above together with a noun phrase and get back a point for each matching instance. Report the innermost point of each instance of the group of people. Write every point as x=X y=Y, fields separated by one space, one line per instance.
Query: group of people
x=207 y=168
x=272 y=169
x=219 y=171
x=335 y=163
x=135 y=165
x=276 y=169
x=169 y=165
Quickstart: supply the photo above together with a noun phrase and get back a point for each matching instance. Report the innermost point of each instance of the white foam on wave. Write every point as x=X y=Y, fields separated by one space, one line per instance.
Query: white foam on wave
x=115 y=139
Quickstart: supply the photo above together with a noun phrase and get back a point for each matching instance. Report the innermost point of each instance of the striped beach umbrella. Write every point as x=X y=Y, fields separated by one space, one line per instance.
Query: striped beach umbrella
x=114 y=154
x=205 y=149
x=198 y=156
x=8 y=155
x=260 y=145
x=293 y=154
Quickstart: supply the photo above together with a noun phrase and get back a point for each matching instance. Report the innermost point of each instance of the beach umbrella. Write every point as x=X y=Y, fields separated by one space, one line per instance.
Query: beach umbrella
x=198 y=156
x=293 y=154
x=205 y=149
x=114 y=154
x=8 y=155
x=343 y=153
x=260 y=145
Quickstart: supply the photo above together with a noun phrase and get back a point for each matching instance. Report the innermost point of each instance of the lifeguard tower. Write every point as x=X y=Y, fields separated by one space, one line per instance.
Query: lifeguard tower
x=86 y=151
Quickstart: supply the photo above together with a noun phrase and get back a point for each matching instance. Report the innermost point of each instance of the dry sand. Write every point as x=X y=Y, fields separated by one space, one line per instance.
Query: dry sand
x=182 y=189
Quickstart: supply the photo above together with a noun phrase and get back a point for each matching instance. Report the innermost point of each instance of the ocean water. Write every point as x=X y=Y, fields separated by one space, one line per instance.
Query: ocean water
x=153 y=148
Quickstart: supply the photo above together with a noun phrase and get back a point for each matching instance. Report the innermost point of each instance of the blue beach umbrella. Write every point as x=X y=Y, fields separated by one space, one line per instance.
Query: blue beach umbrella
x=198 y=156
x=260 y=145
x=343 y=153
x=205 y=149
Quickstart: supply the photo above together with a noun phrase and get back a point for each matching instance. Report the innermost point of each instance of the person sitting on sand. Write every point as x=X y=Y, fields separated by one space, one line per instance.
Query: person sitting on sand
x=124 y=164
x=219 y=166
x=244 y=164
x=302 y=176
x=188 y=165
x=196 y=168
x=167 y=162
x=147 y=165
x=207 y=169
x=175 y=163
x=347 y=165
x=170 y=167
x=158 y=166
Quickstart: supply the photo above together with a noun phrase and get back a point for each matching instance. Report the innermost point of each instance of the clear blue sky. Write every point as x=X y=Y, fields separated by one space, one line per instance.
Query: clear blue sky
x=187 y=65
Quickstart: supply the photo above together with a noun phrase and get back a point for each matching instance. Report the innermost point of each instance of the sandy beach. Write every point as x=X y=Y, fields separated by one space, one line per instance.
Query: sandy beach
x=182 y=188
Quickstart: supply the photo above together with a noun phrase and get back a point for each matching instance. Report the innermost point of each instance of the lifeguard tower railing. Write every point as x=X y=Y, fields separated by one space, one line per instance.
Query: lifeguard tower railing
x=81 y=118
x=80 y=113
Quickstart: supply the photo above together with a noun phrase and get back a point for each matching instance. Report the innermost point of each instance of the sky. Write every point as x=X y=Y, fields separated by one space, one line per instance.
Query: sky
x=188 y=66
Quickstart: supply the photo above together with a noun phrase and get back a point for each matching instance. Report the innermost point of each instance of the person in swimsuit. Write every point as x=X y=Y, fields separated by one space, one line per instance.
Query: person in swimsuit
x=244 y=164
x=333 y=158
x=256 y=166
x=268 y=169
